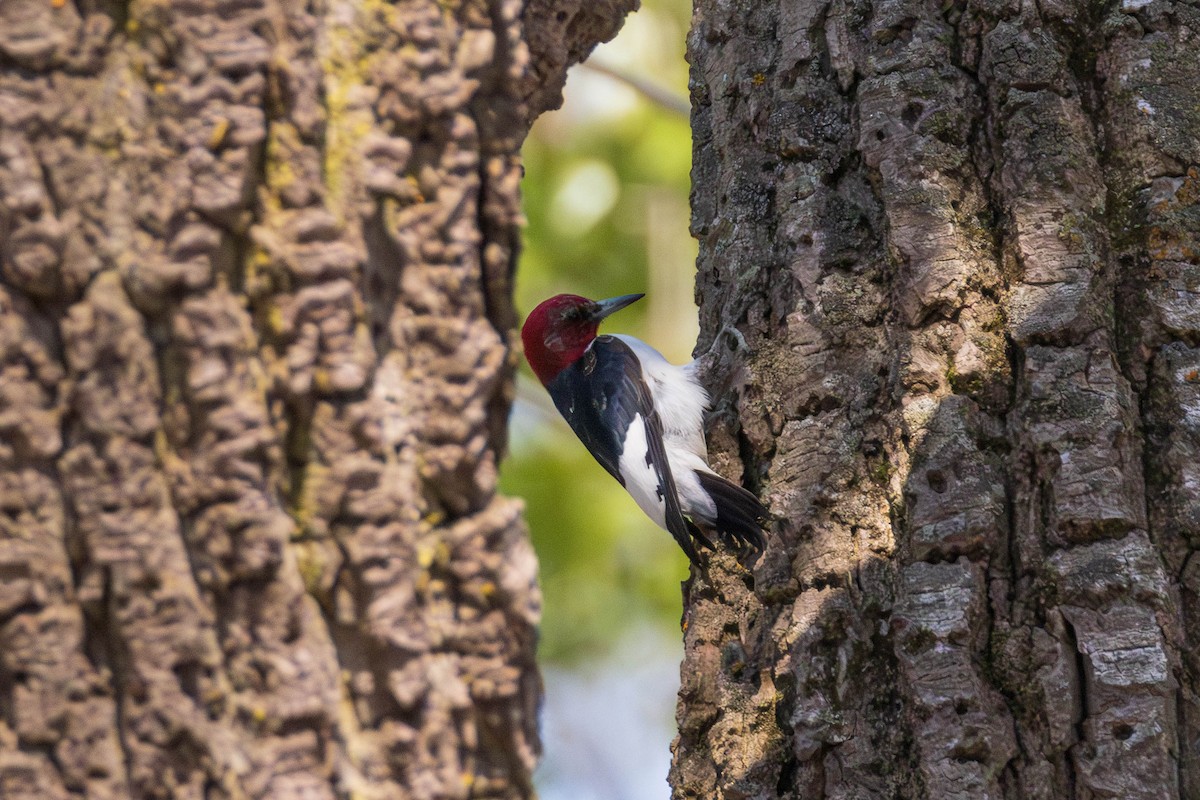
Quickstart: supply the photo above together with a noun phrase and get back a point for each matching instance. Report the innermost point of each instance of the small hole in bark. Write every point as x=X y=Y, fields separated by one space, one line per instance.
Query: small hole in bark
x=1122 y=731
x=880 y=136
x=912 y=112
x=188 y=674
x=960 y=707
x=561 y=16
x=806 y=240
x=937 y=480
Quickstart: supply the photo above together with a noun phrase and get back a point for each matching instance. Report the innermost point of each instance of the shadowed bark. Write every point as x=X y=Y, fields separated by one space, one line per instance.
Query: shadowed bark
x=962 y=243
x=255 y=364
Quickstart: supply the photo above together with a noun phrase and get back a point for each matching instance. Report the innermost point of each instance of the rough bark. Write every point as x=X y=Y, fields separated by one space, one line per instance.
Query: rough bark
x=255 y=363
x=962 y=244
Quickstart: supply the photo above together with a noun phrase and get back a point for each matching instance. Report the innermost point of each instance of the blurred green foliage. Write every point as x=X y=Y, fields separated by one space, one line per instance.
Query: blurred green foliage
x=605 y=196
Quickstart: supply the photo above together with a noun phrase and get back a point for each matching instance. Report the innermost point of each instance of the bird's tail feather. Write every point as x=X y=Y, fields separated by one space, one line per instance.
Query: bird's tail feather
x=740 y=515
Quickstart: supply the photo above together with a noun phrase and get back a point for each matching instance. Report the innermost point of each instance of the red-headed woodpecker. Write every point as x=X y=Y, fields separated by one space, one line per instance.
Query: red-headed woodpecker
x=642 y=419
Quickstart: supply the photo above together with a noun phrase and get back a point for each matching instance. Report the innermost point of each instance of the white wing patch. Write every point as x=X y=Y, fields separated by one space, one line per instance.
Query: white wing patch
x=641 y=479
x=680 y=401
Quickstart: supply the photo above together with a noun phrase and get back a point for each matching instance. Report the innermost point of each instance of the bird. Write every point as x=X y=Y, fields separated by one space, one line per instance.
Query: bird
x=642 y=418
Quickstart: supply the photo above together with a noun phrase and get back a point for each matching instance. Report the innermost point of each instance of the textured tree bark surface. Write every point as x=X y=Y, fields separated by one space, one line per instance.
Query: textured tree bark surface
x=255 y=364
x=962 y=243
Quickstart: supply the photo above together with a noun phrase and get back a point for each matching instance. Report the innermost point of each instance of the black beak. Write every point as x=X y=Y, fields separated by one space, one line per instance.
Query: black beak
x=602 y=308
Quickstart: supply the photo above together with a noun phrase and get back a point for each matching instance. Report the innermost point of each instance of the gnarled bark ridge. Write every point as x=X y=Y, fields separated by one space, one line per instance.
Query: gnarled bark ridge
x=962 y=242
x=255 y=363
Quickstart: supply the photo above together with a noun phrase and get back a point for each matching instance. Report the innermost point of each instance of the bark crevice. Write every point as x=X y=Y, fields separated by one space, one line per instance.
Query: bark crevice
x=987 y=495
x=234 y=462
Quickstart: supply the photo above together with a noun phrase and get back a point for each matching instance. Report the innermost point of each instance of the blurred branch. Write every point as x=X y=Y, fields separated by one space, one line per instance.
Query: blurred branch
x=664 y=98
x=537 y=401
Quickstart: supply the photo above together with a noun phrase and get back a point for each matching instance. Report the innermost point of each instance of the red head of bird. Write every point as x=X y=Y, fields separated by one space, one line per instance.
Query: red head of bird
x=559 y=330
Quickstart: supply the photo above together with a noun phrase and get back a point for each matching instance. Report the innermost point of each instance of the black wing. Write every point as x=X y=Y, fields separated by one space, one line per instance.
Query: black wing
x=600 y=396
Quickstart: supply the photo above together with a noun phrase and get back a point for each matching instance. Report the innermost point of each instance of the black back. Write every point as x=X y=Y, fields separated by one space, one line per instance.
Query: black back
x=600 y=396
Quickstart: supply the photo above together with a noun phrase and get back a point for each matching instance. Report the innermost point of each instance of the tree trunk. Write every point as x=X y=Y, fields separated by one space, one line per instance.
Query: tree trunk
x=255 y=365
x=962 y=244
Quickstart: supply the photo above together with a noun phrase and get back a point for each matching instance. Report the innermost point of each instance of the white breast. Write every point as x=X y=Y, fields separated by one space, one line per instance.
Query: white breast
x=678 y=396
